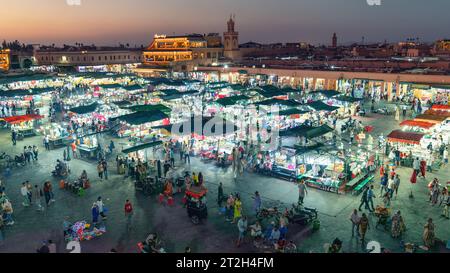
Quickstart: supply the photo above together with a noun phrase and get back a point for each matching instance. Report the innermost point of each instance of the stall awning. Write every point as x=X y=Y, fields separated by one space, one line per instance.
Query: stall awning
x=111 y=86
x=178 y=95
x=326 y=93
x=202 y=126
x=320 y=106
x=441 y=113
x=292 y=111
x=290 y=90
x=306 y=149
x=318 y=131
x=228 y=101
x=270 y=91
x=143 y=117
x=122 y=103
x=20 y=119
x=269 y=102
x=414 y=123
x=25 y=78
x=142 y=147
x=134 y=87
x=347 y=99
x=296 y=131
x=440 y=107
x=405 y=137
x=430 y=118
x=84 y=109
x=149 y=108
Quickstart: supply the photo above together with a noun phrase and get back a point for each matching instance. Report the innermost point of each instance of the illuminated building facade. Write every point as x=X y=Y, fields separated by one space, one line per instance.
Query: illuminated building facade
x=183 y=53
x=5 y=59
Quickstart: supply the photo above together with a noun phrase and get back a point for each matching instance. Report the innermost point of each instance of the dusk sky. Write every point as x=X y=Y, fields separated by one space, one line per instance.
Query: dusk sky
x=109 y=22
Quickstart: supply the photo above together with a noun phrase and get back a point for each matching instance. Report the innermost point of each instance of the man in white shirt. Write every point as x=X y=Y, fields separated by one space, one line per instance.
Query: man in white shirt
x=24 y=193
x=445 y=156
x=391 y=186
x=354 y=218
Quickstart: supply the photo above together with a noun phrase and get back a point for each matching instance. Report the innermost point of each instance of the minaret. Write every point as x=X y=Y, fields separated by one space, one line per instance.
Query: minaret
x=231 y=40
x=334 y=40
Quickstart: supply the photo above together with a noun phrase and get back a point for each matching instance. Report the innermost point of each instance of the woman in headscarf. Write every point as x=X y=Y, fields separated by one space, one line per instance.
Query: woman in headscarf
x=398 y=226
x=363 y=226
x=428 y=234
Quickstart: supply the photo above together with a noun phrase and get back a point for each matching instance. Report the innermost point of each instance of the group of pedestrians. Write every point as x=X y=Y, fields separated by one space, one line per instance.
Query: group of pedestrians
x=32 y=195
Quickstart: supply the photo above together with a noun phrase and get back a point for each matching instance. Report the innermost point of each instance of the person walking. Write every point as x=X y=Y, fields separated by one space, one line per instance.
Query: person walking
x=229 y=208
x=445 y=212
x=237 y=212
x=47 y=194
x=35 y=152
x=396 y=184
x=7 y=210
x=100 y=170
x=398 y=226
x=95 y=213
x=128 y=213
x=445 y=156
x=391 y=186
x=14 y=137
x=302 y=192
x=242 y=227
x=37 y=194
x=47 y=143
x=30 y=191
x=354 y=218
x=416 y=165
x=111 y=147
x=428 y=234
x=101 y=208
x=383 y=183
x=24 y=193
x=74 y=149
x=105 y=169
x=364 y=200
x=220 y=195
x=370 y=197
x=257 y=203
x=363 y=227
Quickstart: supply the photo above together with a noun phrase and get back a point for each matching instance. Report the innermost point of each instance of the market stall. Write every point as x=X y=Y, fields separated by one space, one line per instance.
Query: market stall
x=25 y=125
x=58 y=135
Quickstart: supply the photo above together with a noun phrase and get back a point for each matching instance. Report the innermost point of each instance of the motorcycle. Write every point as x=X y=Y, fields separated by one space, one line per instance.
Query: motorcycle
x=301 y=215
x=149 y=185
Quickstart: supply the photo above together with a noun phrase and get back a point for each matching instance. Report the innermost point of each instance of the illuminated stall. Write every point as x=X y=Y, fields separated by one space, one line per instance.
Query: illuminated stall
x=25 y=125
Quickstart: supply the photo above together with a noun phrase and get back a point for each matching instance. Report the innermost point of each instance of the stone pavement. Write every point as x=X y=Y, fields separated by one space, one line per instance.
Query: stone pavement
x=214 y=234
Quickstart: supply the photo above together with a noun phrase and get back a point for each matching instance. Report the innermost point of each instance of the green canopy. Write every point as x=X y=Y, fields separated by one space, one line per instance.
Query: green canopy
x=228 y=101
x=169 y=92
x=237 y=87
x=25 y=78
x=43 y=90
x=270 y=91
x=202 y=126
x=292 y=111
x=142 y=147
x=179 y=95
x=16 y=93
x=320 y=106
x=111 y=86
x=290 y=90
x=318 y=131
x=85 y=109
x=347 y=99
x=149 y=108
x=301 y=130
x=326 y=93
x=122 y=103
x=289 y=103
x=306 y=131
x=305 y=149
x=140 y=118
x=133 y=87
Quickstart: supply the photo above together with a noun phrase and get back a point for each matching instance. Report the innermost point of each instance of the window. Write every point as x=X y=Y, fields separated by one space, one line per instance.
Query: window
x=99 y=58
x=106 y=58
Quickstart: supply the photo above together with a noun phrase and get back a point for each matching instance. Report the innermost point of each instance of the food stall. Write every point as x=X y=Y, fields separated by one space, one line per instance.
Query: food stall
x=57 y=134
x=417 y=126
x=25 y=125
x=88 y=145
x=138 y=125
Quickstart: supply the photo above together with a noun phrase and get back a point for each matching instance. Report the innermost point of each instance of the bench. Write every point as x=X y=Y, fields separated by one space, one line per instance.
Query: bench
x=362 y=185
x=352 y=183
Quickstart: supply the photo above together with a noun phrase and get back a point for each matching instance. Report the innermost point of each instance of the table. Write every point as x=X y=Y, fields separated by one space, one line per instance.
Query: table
x=86 y=152
x=27 y=132
x=56 y=143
